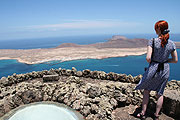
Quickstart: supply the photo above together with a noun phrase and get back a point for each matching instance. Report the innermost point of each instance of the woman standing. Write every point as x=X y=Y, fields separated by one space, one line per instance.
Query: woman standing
x=157 y=73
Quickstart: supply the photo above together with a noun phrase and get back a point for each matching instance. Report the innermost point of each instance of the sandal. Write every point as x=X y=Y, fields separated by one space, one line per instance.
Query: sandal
x=141 y=116
x=156 y=117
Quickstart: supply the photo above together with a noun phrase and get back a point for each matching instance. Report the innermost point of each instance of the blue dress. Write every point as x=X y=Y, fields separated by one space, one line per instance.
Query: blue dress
x=157 y=73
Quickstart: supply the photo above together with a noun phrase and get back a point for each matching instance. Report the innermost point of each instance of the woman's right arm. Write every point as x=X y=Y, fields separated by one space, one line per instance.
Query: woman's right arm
x=174 y=58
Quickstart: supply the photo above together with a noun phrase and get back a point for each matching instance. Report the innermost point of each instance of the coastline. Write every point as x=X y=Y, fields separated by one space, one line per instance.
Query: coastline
x=117 y=46
x=36 y=56
x=19 y=60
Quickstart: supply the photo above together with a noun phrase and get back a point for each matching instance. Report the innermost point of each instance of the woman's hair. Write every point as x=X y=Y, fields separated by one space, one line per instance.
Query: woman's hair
x=164 y=36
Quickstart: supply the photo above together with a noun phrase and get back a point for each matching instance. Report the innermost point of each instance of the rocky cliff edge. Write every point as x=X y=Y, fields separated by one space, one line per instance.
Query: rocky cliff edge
x=95 y=94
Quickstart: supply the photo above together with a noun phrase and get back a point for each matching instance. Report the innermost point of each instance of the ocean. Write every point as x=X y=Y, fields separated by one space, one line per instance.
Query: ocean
x=35 y=43
x=116 y=64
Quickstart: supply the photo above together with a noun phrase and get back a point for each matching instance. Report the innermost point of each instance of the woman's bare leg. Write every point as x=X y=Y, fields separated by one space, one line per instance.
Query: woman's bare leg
x=145 y=101
x=159 y=104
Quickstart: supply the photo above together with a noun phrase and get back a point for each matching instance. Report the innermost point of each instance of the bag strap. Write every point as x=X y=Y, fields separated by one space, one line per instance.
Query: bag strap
x=152 y=49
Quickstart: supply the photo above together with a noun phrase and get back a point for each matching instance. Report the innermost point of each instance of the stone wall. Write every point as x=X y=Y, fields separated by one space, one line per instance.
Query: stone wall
x=95 y=94
x=17 y=78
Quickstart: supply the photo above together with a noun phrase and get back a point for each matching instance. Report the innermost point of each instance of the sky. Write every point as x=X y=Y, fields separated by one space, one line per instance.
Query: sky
x=20 y=19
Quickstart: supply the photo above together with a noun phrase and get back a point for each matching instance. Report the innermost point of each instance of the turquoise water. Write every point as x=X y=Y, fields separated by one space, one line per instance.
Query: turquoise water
x=133 y=65
x=129 y=65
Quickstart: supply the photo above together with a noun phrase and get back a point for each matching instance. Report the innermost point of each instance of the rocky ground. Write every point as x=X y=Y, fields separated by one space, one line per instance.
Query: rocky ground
x=95 y=94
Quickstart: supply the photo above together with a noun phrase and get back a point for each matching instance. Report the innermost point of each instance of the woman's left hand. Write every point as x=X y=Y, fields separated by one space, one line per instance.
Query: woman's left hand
x=148 y=59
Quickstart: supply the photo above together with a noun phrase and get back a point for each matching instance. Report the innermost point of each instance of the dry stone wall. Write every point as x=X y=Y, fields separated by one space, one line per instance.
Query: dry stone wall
x=95 y=94
x=17 y=78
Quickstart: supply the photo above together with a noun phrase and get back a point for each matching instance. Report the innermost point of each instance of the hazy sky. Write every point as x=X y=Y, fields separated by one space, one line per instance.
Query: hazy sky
x=49 y=18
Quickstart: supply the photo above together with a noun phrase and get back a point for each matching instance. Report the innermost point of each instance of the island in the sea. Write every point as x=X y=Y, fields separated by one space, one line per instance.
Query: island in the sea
x=95 y=95
x=117 y=46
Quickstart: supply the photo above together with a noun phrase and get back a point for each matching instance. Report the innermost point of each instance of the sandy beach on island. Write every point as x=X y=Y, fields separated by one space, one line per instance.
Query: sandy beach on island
x=35 y=56
x=117 y=46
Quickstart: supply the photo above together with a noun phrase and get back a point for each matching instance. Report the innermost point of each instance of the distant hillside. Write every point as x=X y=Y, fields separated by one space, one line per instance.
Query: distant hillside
x=121 y=42
x=177 y=45
x=116 y=41
x=68 y=45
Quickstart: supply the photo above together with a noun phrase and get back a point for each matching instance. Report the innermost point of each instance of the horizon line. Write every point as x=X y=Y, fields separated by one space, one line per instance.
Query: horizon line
x=122 y=34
